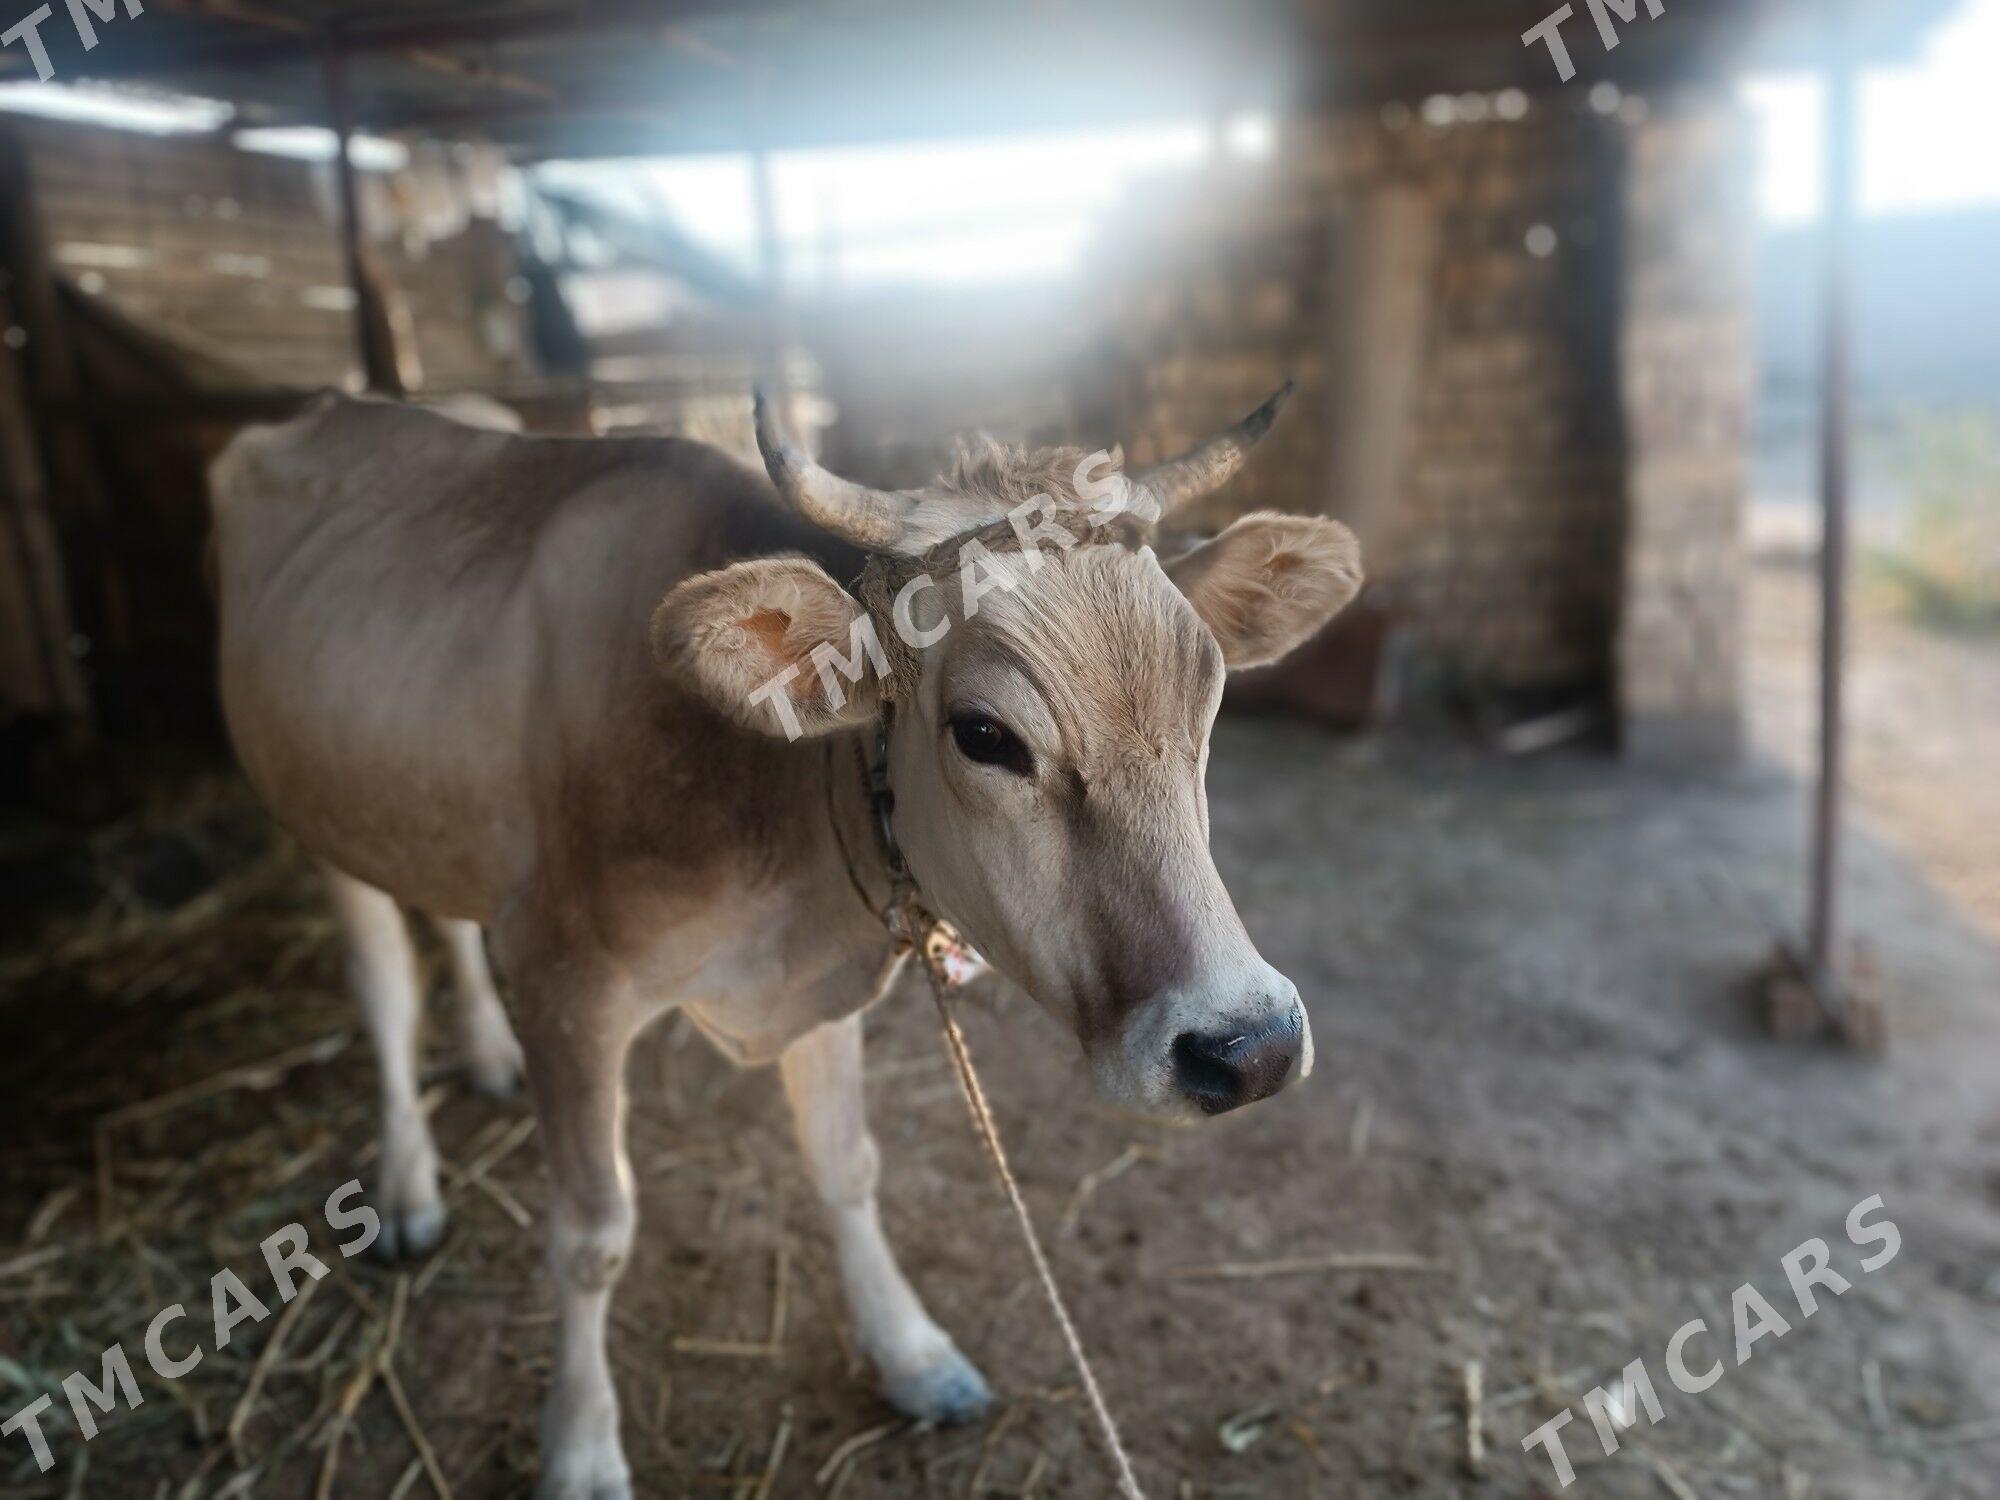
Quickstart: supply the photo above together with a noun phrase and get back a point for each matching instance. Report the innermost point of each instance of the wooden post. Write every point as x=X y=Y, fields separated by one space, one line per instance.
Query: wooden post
x=771 y=270
x=1385 y=256
x=379 y=365
x=37 y=673
x=50 y=474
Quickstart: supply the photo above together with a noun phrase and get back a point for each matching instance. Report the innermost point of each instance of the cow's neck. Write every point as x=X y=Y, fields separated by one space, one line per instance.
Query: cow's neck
x=785 y=949
x=859 y=804
x=873 y=863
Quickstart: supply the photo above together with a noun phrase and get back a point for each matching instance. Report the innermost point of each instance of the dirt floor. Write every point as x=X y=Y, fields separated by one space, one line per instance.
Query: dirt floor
x=1541 y=1075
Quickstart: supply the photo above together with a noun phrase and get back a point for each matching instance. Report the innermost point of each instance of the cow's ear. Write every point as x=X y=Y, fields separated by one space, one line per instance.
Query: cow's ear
x=775 y=644
x=1269 y=582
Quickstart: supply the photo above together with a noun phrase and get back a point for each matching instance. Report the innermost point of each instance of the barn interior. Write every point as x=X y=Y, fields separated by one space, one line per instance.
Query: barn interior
x=1646 y=924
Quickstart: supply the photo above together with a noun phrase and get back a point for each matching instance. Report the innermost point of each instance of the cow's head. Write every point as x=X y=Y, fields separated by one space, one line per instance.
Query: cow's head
x=1054 y=682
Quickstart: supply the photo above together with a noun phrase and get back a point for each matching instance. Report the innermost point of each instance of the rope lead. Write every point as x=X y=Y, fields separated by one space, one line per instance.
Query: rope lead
x=932 y=954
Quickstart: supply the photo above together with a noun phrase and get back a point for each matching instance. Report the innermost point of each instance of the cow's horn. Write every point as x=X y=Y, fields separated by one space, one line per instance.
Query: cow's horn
x=1212 y=464
x=872 y=519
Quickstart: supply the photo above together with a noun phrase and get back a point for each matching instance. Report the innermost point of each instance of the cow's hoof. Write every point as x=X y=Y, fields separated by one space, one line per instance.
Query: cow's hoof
x=617 y=1489
x=594 y=1473
x=945 y=1391
x=410 y=1233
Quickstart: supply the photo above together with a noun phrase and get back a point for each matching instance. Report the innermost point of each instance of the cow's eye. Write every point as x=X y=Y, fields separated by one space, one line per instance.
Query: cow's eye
x=988 y=742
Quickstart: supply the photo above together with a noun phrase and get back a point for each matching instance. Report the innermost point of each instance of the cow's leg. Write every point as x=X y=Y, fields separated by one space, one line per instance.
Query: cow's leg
x=382 y=967
x=576 y=1027
x=922 y=1373
x=492 y=1055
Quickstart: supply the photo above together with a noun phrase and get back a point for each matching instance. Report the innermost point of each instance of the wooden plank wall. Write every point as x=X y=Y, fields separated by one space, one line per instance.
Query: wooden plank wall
x=235 y=252
x=232 y=256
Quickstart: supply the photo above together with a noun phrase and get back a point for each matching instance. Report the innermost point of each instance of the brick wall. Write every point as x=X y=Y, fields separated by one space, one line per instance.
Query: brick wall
x=1688 y=373
x=1562 y=512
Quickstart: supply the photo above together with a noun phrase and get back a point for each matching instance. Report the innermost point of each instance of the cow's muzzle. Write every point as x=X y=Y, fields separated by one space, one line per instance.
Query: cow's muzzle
x=1232 y=1065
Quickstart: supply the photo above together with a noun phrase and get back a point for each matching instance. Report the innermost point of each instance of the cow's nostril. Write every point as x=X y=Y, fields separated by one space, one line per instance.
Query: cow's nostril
x=1223 y=1069
x=1206 y=1071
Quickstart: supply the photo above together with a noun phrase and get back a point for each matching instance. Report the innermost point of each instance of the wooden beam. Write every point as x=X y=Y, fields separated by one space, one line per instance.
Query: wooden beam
x=129 y=408
x=379 y=365
x=465 y=29
x=484 y=118
x=771 y=273
x=428 y=59
x=482 y=74
x=37 y=673
x=239 y=12
x=1385 y=258
x=67 y=505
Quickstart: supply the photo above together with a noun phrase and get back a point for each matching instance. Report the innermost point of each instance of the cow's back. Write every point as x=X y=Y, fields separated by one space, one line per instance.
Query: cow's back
x=419 y=617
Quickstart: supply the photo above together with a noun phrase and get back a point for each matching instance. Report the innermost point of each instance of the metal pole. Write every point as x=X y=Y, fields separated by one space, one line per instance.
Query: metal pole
x=1836 y=412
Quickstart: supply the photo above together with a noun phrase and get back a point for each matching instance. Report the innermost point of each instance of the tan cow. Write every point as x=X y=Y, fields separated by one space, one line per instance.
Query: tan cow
x=438 y=671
